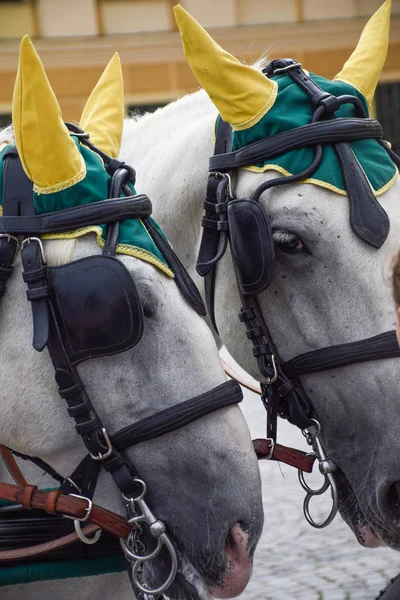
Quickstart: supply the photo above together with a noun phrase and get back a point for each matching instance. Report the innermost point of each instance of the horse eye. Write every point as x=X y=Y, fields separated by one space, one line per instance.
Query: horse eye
x=289 y=242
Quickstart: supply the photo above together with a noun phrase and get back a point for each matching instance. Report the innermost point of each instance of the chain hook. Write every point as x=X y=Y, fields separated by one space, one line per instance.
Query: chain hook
x=326 y=467
x=134 y=549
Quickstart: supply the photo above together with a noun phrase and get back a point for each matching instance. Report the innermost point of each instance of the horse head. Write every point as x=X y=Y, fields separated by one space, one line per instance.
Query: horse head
x=308 y=191
x=149 y=351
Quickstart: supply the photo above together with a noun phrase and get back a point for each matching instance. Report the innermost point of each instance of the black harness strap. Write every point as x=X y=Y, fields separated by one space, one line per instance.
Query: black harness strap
x=178 y=416
x=321 y=132
x=384 y=345
x=102 y=212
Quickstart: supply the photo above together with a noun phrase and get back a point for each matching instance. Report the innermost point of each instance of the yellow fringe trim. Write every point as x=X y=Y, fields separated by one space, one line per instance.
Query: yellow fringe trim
x=261 y=113
x=64 y=185
x=121 y=248
x=324 y=184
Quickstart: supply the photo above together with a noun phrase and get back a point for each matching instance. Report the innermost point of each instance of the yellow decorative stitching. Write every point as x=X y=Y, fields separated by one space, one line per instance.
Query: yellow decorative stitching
x=59 y=187
x=261 y=113
x=324 y=184
x=120 y=249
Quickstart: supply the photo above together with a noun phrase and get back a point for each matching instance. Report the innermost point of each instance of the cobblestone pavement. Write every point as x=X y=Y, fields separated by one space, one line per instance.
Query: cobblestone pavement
x=295 y=561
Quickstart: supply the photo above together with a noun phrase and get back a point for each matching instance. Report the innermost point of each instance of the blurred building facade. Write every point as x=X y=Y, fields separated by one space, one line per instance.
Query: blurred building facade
x=76 y=38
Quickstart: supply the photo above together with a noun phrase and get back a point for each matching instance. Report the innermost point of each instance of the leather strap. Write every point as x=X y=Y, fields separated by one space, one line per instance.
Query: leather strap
x=30 y=497
x=12 y=466
x=290 y=456
x=178 y=416
x=322 y=132
x=33 y=551
x=380 y=346
x=102 y=212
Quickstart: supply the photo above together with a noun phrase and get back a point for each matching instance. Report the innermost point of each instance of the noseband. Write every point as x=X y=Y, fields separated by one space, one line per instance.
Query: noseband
x=82 y=310
x=243 y=224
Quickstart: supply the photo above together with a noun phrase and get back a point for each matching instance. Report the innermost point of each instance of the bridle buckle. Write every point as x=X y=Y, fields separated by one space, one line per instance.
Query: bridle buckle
x=109 y=450
x=271 y=443
x=15 y=240
x=88 y=509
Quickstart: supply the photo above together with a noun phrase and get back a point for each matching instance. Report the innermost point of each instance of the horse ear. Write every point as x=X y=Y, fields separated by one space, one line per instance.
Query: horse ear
x=365 y=65
x=241 y=94
x=48 y=154
x=103 y=115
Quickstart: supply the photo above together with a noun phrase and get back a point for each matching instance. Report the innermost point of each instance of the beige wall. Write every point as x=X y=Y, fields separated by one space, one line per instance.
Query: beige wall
x=57 y=18
x=154 y=66
x=251 y=12
x=16 y=20
x=141 y=15
x=72 y=18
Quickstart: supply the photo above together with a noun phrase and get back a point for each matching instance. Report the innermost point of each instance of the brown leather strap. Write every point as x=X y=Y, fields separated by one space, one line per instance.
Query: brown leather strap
x=290 y=456
x=31 y=551
x=52 y=501
x=12 y=466
x=31 y=497
x=26 y=496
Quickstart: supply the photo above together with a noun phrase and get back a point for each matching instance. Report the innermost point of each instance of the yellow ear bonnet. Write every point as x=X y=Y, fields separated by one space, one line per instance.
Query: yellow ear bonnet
x=241 y=94
x=103 y=115
x=49 y=156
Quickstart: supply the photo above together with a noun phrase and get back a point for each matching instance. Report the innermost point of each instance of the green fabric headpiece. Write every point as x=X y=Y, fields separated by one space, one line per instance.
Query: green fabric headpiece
x=292 y=108
x=133 y=239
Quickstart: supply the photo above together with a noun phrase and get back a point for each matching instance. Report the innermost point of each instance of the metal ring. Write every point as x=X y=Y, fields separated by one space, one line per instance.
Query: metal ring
x=137 y=557
x=171 y=576
x=83 y=537
x=310 y=490
x=332 y=513
x=142 y=493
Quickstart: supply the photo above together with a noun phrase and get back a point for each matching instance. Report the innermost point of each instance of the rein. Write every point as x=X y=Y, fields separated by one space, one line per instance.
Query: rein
x=53 y=291
x=243 y=224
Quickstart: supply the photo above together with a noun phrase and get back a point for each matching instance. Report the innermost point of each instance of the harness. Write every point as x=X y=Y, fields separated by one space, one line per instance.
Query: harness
x=243 y=224
x=85 y=309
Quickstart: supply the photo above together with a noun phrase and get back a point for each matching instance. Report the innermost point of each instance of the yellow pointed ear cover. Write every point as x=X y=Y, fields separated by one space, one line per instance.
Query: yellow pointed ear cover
x=365 y=65
x=241 y=94
x=103 y=115
x=48 y=154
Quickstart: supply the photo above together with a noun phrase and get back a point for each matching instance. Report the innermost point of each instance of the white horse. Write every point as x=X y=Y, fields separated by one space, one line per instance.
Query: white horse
x=203 y=479
x=329 y=286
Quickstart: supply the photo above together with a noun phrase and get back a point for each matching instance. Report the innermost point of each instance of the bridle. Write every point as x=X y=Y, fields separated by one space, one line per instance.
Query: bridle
x=51 y=308
x=242 y=224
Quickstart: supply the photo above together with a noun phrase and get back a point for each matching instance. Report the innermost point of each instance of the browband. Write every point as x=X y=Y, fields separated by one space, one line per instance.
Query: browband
x=321 y=132
x=102 y=212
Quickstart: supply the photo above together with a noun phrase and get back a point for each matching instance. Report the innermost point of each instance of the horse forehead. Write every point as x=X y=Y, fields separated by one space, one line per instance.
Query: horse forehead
x=304 y=201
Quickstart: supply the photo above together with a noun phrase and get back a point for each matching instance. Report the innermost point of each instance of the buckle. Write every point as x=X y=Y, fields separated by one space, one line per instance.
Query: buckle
x=15 y=240
x=287 y=68
x=88 y=509
x=271 y=448
x=37 y=241
x=109 y=450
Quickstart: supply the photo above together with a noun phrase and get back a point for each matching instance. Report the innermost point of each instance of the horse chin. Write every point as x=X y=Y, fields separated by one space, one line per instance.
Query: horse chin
x=365 y=532
x=235 y=571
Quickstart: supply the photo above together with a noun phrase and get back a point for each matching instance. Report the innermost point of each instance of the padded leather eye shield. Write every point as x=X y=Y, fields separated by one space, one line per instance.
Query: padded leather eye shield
x=252 y=245
x=97 y=306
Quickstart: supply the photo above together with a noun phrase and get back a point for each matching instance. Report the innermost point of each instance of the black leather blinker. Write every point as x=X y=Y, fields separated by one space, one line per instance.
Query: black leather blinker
x=97 y=307
x=251 y=245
